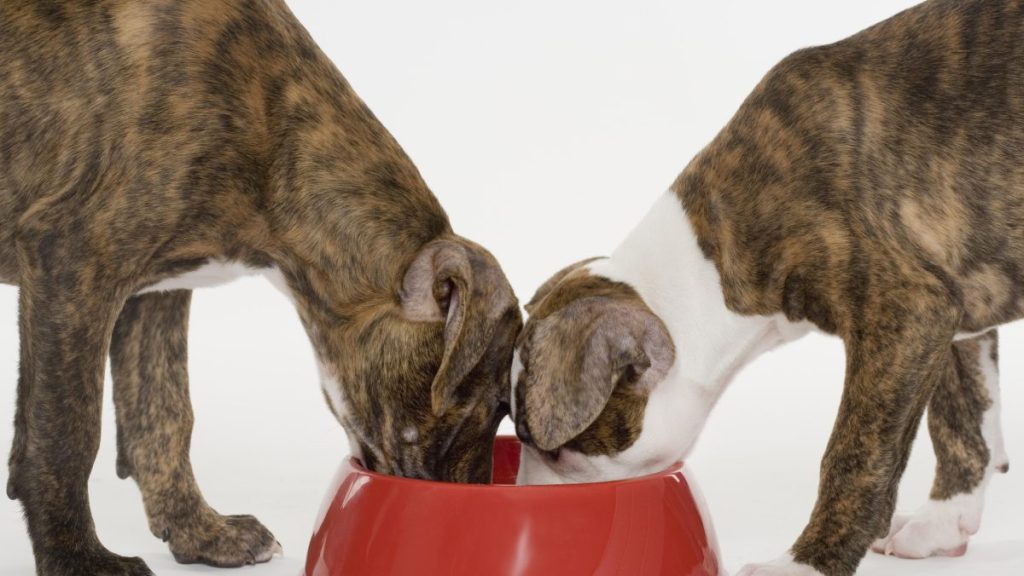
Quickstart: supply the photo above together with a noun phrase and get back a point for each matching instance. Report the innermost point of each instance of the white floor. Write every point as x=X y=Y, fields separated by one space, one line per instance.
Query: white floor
x=757 y=463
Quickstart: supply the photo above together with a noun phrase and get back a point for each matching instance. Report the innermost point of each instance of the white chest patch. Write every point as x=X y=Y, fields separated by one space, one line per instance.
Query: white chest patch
x=214 y=273
x=517 y=369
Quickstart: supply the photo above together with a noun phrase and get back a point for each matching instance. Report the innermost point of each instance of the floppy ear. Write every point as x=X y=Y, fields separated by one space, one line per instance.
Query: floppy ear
x=578 y=356
x=463 y=286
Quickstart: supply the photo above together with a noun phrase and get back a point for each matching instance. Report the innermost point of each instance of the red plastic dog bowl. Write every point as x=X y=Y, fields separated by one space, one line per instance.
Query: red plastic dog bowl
x=377 y=525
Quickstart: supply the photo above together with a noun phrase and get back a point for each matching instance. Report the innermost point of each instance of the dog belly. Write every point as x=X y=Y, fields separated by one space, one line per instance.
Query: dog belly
x=214 y=273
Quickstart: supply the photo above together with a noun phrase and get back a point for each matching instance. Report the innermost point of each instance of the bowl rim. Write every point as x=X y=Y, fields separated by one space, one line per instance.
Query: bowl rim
x=677 y=468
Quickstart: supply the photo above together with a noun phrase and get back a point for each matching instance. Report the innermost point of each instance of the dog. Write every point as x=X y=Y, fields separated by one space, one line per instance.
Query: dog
x=150 y=148
x=872 y=189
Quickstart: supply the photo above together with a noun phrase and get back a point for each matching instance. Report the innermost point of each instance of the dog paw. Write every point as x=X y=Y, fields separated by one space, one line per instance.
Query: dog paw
x=784 y=566
x=937 y=529
x=223 y=542
x=99 y=562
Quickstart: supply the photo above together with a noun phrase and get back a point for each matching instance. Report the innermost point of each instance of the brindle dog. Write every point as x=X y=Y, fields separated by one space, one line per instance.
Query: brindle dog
x=873 y=188
x=143 y=141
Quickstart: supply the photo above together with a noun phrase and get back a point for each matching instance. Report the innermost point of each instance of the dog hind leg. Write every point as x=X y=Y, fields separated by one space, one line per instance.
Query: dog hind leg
x=964 y=423
x=897 y=352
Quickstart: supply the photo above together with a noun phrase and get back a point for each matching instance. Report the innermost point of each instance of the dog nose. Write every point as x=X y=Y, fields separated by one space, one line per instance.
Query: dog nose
x=523 y=431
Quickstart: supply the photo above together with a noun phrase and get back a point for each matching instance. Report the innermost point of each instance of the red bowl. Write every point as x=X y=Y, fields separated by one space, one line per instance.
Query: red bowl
x=378 y=525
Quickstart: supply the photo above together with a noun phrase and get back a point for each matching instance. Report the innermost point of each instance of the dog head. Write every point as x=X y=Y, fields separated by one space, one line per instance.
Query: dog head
x=420 y=380
x=588 y=363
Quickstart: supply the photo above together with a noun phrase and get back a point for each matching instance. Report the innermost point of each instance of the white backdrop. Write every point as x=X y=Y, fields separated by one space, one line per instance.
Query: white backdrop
x=546 y=129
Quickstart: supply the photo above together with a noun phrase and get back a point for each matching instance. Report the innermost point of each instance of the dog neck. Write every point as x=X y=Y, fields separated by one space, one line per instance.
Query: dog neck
x=663 y=261
x=347 y=206
x=344 y=212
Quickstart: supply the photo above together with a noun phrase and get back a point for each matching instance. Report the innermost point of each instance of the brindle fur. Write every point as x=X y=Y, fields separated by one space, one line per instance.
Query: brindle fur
x=875 y=187
x=956 y=413
x=141 y=140
x=590 y=353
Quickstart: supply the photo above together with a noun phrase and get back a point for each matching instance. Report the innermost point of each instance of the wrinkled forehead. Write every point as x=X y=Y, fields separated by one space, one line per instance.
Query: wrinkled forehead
x=571 y=286
x=556 y=280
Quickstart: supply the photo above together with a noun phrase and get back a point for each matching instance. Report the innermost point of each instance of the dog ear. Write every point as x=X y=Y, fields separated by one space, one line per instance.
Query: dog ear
x=460 y=284
x=577 y=357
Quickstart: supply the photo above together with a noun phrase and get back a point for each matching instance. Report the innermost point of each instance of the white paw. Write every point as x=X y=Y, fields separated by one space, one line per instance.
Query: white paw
x=784 y=566
x=937 y=529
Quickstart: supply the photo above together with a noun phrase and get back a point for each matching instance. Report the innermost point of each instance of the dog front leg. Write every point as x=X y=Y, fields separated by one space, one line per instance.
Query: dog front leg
x=67 y=310
x=154 y=429
x=896 y=354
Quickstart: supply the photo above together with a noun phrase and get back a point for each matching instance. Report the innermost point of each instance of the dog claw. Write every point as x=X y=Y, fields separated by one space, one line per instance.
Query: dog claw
x=237 y=541
x=166 y=535
x=268 y=555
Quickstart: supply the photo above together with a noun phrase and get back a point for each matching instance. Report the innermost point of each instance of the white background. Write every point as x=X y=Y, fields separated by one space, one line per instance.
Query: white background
x=546 y=129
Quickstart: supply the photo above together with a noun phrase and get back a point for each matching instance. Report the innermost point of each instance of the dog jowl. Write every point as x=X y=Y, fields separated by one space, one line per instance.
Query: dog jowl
x=148 y=148
x=872 y=189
